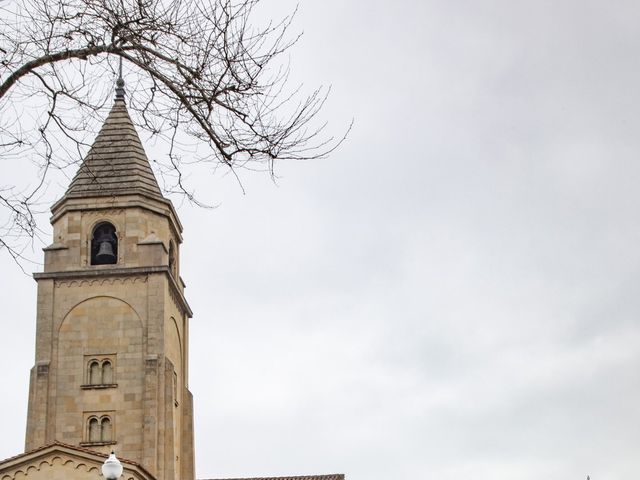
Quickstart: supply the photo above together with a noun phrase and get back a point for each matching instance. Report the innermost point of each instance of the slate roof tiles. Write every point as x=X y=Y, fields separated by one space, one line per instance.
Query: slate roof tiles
x=116 y=163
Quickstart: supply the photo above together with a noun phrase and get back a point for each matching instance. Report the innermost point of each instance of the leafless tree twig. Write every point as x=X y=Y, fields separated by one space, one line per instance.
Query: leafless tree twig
x=205 y=74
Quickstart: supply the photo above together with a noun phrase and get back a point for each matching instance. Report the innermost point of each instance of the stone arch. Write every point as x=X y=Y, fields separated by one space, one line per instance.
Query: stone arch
x=107 y=372
x=94 y=374
x=173 y=344
x=89 y=229
x=79 y=465
x=88 y=299
x=106 y=428
x=173 y=259
x=100 y=325
x=104 y=244
x=178 y=335
x=93 y=429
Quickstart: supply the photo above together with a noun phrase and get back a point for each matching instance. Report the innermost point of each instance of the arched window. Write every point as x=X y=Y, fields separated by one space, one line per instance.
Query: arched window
x=107 y=372
x=100 y=371
x=172 y=260
x=94 y=373
x=175 y=388
x=95 y=434
x=99 y=430
x=105 y=434
x=104 y=245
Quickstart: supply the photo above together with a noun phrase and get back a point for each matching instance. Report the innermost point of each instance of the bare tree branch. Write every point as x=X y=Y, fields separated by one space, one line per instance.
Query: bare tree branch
x=204 y=76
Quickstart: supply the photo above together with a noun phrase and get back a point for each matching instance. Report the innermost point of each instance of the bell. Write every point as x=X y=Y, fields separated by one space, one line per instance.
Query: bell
x=105 y=253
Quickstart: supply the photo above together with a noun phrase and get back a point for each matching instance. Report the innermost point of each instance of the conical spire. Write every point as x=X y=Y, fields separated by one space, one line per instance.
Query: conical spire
x=116 y=163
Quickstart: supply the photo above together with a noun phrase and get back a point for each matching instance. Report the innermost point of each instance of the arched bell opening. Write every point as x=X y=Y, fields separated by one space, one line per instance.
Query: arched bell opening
x=104 y=245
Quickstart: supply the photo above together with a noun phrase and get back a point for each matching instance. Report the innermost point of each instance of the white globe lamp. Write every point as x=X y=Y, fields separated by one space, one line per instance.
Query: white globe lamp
x=112 y=468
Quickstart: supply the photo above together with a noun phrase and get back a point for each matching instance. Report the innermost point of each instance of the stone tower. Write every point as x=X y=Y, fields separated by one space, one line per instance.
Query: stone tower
x=112 y=332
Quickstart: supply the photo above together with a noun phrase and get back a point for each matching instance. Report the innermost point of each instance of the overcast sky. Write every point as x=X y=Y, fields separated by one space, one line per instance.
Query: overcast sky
x=455 y=292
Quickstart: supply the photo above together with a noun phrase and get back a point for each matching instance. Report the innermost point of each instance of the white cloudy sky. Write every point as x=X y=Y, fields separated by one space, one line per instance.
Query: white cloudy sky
x=455 y=292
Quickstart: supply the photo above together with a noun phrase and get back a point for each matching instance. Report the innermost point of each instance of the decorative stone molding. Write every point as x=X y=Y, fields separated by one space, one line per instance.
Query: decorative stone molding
x=98 y=212
x=100 y=281
x=99 y=275
x=62 y=461
x=53 y=461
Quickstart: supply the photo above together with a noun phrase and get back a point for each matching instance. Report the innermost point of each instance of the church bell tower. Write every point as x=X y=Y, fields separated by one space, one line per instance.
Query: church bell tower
x=111 y=364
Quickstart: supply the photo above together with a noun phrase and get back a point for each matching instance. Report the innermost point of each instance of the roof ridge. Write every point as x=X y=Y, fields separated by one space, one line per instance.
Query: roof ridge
x=330 y=476
x=57 y=443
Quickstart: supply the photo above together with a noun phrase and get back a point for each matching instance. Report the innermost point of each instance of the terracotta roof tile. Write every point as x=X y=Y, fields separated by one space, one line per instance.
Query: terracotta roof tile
x=333 y=476
x=71 y=447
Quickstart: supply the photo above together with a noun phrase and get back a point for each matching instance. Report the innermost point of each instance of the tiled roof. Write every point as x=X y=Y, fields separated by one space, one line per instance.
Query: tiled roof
x=116 y=163
x=66 y=445
x=333 y=476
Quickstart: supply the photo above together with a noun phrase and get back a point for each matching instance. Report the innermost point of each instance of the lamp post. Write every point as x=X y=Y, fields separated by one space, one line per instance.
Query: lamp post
x=112 y=468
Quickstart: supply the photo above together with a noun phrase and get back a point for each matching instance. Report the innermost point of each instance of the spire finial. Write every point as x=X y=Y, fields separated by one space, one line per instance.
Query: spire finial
x=120 y=83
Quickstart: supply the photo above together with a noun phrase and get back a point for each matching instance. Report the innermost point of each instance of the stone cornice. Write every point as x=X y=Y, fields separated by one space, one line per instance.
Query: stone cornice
x=121 y=272
x=161 y=206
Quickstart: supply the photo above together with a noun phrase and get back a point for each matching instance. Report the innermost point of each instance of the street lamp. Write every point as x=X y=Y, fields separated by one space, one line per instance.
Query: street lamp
x=112 y=468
